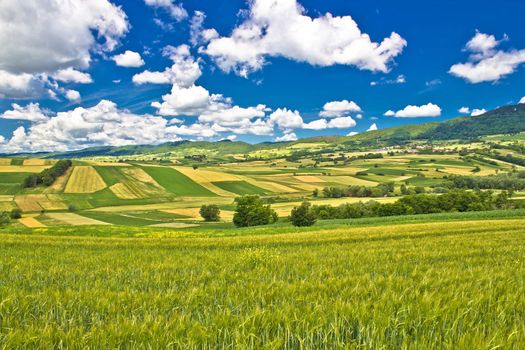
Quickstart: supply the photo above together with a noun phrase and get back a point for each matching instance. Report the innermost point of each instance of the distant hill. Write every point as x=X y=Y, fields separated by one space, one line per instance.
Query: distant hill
x=504 y=120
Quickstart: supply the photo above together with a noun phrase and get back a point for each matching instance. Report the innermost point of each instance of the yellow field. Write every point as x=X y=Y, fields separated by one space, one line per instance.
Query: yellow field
x=309 y=179
x=205 y=178
x=37 y=202
x=23 y=168
x=140 y=175
x=6 y=206
x=84 y=179
x=5 y=161
x=174 y=225
x=31 y=222
x=75 y=219
x=29 y=203
x=274 y=187
x=184 y=202
x=34 y=162
x=124 y=192
x=112 y=164
x=6 y=198
x=349 y=181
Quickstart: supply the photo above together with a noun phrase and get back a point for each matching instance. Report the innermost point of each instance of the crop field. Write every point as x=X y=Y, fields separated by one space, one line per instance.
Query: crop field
x=239 y=187
x=177 y=183
x=84 y=179
x=384 y=283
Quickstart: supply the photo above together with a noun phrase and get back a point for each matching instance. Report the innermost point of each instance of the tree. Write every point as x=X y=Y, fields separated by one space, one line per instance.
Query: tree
x=16 y=214
x=4 y=219
x=210 y=213
x=303 y=215
x=251 y=211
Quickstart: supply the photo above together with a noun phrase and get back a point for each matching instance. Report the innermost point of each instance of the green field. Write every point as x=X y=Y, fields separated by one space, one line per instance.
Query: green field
x=239 y=187
x=392 y=284
x=176 y=183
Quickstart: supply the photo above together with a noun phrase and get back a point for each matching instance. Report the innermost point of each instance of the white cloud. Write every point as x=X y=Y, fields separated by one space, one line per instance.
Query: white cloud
x=194 y=100
x=175 y=10
x=233 y=116
x=287 y=137
x=339 y=108
x=486 y=63
x=476 y=112
x=522 y=100
x=286 y=119
x=103 y=124
x=31 y=112
x=129 y=59
x=372 y=127
x=352 y=133
x=464 y=110
x=43 y=37
x=71 y=75
x=199 y=35
x=281 y=28
x=400 y=79
x=428 y=110
x=336 y=123
x=73 y=95
x=184 y=71
x=21 y=85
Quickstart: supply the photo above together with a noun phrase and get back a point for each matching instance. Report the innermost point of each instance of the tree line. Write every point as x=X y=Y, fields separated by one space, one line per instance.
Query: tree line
x=48 y=176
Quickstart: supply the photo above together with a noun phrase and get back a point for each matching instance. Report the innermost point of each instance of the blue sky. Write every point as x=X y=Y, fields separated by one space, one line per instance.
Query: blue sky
x=274 y=81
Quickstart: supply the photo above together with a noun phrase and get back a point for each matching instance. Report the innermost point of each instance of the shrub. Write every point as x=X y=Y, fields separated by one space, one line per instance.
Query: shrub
x=16 y=214
x=72 y=208
x=210 y=213
x=4 y=219
x=303 y=215
x=251 y=211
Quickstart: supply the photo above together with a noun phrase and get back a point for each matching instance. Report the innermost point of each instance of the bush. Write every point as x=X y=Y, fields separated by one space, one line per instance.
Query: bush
x=303 y=215
x=16 y=214
x=251 y=211
x=72 y=208
x=48 y=176
x=210 y=213
x=4 y=219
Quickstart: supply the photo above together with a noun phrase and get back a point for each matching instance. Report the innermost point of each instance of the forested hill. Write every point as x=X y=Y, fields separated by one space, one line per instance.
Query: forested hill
x=504 y=120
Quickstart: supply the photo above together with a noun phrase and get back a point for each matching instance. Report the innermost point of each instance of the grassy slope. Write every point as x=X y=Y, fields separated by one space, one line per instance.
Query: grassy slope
x=425 y=285
x=239 y=187
x=176 y=183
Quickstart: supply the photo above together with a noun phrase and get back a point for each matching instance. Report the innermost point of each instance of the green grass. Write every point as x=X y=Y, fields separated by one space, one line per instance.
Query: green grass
x=11 y=183
x=177 y=183
x=240 y=187
x=422 y=285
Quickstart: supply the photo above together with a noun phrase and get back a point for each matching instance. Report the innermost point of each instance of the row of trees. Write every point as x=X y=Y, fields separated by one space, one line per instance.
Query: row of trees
x=512 y=181
x=453 y=201
x=48 y=176
x=250 y=211
x=382 y=190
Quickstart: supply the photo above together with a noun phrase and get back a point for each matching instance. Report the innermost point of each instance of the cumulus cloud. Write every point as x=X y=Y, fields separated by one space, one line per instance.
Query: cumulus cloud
x=486 y=62
x=373 y=127
x=428 y=110
x=474 y=112
x=522 y=100
x=336 y=123
x=30 y=112
x=129 y=59
x=71 y=75
x=103 y=124
x=175 y=10
x=339 y=108
x=73 y=95
x=287 y=137
x=43 y=38
x=280 y=28
x=286 y=119
x=184 y=71
x=352 y=133
x=464 y=110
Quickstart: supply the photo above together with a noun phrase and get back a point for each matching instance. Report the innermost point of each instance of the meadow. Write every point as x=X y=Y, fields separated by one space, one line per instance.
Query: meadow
x=448 y=281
